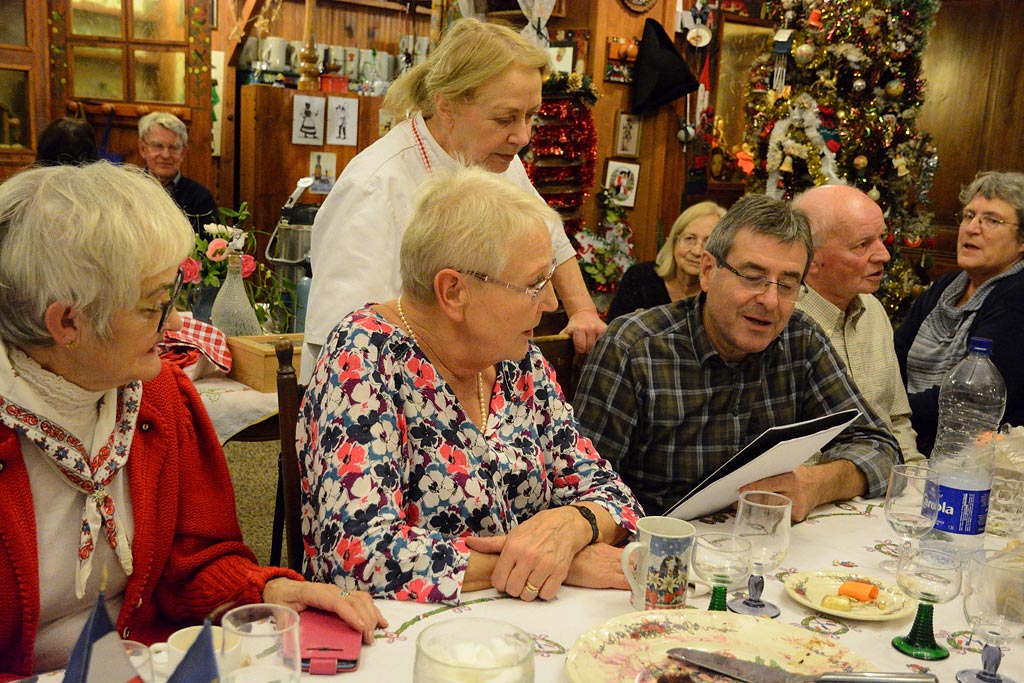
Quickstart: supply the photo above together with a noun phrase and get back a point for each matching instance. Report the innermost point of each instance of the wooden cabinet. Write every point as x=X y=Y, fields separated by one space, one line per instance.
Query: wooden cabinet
x=270 y=164
x=23 y=83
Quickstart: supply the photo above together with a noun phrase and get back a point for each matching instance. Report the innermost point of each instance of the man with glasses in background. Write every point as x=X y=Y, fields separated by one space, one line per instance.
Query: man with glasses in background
x=163 y=141
x=671 y=393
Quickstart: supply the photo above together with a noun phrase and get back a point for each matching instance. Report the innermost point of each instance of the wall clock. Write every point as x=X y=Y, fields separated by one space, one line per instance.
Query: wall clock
x=639 y=5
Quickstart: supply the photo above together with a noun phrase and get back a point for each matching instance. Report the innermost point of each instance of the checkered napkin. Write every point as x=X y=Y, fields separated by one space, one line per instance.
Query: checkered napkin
x=180 y=345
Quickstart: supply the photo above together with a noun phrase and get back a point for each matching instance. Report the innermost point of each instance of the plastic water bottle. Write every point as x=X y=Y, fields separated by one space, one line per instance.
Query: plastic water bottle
x=971 y=403
x=232 y=313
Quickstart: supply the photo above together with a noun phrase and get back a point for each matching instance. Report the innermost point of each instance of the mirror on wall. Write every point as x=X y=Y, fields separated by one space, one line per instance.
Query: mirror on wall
x=12 y=28
x=742 y=40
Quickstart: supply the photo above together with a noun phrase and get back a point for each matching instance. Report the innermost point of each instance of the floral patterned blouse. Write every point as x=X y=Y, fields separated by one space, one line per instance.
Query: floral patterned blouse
x=396 y=475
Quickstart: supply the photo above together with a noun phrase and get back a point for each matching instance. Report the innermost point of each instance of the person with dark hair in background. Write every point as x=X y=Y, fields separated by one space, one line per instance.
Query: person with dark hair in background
x=67 y=141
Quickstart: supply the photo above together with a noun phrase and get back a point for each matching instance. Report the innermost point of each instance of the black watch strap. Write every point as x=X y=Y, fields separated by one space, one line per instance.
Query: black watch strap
x=589 y=515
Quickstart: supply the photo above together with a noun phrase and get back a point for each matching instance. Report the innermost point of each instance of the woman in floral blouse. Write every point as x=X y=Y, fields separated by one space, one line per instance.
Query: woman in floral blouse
x=439 y=453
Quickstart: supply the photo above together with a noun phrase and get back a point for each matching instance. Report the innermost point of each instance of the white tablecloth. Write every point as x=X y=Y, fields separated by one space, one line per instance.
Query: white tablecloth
x=233 y=406
x=851 y=535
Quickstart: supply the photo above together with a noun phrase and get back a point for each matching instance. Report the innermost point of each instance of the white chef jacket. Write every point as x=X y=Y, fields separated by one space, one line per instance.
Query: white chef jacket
x=357 y=234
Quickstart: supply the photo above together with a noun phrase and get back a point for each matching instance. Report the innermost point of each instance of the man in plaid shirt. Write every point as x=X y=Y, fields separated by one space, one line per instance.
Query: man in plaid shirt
x=671 y=393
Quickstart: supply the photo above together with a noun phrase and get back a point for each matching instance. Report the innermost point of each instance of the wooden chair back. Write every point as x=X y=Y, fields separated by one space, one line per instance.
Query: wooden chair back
x=559 y=350
x=288 y=511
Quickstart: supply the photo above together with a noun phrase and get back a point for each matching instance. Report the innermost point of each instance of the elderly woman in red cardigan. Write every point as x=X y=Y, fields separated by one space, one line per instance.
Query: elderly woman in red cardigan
x=109 y=465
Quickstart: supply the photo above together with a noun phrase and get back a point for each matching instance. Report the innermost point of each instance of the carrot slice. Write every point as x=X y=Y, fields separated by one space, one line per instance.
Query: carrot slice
x=858 y=590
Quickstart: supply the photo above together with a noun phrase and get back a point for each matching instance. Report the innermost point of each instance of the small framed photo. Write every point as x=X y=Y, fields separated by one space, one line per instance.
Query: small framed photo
x=627 y=136
x=623 y=179
x=562 y=55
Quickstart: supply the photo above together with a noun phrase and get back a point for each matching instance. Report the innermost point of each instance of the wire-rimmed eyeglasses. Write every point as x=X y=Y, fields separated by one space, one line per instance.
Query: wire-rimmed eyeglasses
x=789 y=288
x=533 y=291
x=987 y=221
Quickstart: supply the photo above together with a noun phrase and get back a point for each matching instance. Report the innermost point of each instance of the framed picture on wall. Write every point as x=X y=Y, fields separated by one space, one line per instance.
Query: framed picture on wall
x=627 y=136
x=622 y=179
x=562 y=55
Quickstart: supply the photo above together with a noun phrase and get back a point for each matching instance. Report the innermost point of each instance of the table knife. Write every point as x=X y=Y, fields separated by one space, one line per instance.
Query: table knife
x=751 y=672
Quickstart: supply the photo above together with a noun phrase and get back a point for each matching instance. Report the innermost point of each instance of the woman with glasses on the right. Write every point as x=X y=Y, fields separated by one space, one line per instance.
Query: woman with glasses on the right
x=985 y=299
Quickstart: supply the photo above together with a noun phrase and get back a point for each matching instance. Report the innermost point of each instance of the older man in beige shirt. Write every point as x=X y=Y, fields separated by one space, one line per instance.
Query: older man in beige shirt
x=847 y=268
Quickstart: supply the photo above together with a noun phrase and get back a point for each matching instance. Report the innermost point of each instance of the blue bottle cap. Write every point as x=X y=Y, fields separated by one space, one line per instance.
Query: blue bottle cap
x=980 y=345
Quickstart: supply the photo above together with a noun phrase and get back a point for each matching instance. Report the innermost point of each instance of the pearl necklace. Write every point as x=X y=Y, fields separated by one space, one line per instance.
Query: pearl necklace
x=479 y=375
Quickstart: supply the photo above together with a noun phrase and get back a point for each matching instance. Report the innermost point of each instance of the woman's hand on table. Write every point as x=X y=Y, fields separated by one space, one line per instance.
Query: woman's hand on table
x=535 y=557
x=355 y=608
x=598 y=566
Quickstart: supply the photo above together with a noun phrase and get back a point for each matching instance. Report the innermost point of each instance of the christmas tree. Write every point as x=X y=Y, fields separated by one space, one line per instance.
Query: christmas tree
x=837 y=98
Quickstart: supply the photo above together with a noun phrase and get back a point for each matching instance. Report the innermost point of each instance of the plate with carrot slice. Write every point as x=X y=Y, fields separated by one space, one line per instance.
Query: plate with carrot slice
x=849 y=596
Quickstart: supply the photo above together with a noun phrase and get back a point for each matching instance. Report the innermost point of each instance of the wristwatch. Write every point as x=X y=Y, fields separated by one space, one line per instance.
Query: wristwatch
x=589 y=515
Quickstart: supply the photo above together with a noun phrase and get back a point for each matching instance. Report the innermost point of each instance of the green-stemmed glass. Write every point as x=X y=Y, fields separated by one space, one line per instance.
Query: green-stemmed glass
x=722 y=560
x=932 y=577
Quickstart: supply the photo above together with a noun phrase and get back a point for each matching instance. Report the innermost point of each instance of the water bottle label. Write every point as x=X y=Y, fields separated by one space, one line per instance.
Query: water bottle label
x=962 y=512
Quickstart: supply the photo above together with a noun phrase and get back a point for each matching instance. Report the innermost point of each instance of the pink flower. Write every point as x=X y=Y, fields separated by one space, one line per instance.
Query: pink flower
x=218 y=249
x=248 y=265
x=191 y=270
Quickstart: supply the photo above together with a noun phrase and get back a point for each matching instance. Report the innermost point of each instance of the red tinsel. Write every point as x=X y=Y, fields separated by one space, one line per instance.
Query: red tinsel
x=562 y=200
x=566 y=131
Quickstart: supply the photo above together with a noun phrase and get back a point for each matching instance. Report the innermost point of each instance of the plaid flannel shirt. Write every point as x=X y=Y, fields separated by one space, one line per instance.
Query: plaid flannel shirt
x=659 y=402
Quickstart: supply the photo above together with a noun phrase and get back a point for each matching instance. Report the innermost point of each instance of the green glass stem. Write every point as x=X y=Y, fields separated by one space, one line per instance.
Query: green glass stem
x=920 y=642
x=718 y=595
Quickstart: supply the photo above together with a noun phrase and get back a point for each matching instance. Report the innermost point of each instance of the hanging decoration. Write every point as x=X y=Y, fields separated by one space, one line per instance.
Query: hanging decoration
x=837 y=97
x=563 y=150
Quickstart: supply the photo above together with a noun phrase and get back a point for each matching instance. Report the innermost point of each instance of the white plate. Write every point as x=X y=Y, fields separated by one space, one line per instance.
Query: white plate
x=808 y=588
x=632 y=647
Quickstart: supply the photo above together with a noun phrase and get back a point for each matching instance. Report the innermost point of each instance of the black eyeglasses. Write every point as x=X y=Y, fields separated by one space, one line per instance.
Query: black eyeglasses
x=789 y=288
x=165 y=308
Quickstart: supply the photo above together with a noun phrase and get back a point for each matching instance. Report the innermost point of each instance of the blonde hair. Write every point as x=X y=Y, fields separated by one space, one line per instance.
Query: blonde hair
x=470 y=55
x=466 y=219
x=665 y=262
x=87 y=235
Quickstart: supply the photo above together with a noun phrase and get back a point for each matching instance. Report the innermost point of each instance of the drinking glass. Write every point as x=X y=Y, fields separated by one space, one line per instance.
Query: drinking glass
x=911 y=504
x=994 y=606
x=473 y=649
x=763 y=518
x=721 y=560
x=268 y=644
x=141 y=659
x=932 y=577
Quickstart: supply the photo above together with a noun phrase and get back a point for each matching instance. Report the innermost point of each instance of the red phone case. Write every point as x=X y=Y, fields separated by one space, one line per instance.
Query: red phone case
x=329 y=645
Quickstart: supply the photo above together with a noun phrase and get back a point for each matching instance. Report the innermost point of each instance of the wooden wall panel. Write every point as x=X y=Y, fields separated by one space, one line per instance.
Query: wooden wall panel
x=350 y=25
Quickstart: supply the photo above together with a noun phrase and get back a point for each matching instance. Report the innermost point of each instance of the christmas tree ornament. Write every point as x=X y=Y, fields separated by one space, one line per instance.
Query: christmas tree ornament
x=858 y=85
x=894 y=88
x=787 y=164
x=803 y=54
x=783 y=43
x=874 y=193
x=860 y=162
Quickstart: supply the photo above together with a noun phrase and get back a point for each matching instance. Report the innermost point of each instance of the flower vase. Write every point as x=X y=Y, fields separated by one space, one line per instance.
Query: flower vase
x=232 y=311
x=200 y=301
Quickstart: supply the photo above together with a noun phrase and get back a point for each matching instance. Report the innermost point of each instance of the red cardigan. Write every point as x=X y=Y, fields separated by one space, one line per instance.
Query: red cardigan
x=188 y=553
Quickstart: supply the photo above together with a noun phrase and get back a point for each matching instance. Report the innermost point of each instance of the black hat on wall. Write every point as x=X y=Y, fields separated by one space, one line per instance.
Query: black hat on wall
x=661 y=74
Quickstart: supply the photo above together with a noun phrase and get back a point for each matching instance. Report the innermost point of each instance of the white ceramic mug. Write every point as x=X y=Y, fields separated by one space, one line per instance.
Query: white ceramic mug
x=385 y=66
x=368 y=66
x=274 y=52
x=167 y=656
x=250 y=52
x=337 y=55
x=295 y=54
x=657 y=564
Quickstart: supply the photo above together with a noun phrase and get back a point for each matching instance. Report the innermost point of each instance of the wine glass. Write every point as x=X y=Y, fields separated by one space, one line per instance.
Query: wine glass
x=911 y=504
x=931 y=577
x=763 y=518
x=994 y=606
x=268 y=644
x=722 y=560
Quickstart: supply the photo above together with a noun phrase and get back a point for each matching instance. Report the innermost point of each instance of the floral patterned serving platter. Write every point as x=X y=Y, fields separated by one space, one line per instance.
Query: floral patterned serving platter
x=633 y=647
x=808 y=588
